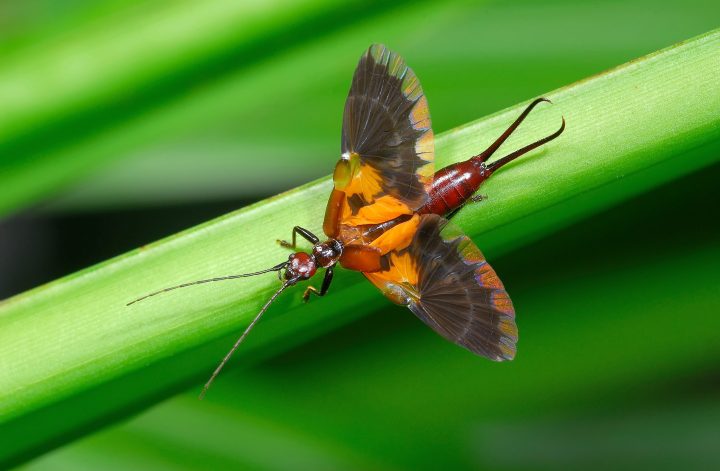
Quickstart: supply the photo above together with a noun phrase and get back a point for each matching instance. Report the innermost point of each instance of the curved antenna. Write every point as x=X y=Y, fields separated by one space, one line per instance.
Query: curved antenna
x=242 y=337
x=209 y=280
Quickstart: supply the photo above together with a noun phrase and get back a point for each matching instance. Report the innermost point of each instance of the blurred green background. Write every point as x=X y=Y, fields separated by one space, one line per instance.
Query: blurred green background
x=122 y=123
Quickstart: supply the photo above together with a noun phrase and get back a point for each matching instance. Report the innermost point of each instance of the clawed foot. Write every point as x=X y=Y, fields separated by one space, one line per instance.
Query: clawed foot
x=286 y=244
x=308 y=291
x=478 y=198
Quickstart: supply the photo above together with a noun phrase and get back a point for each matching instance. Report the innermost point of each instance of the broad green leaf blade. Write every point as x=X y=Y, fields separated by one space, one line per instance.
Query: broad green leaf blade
x=605 y=346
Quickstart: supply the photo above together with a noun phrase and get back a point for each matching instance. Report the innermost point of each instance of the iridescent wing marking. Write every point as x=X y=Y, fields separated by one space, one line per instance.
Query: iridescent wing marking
x=387 y=141
x=444 y=279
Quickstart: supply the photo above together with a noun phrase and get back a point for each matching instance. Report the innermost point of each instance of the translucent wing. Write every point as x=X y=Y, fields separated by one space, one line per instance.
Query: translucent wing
x=387 y=142
x=444 y=279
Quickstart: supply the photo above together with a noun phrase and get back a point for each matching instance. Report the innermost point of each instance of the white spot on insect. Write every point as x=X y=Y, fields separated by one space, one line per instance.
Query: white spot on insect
x=345 y=156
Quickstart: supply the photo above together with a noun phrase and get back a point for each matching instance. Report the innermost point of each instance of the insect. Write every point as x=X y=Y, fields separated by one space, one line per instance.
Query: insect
x=387 y=216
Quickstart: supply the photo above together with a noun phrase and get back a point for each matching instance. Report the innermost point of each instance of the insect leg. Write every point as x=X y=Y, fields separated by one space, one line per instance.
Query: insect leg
x=307 y=235
x=325 y=286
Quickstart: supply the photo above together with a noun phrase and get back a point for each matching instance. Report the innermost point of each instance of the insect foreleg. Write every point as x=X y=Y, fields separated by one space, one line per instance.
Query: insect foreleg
x=325 y=286
x=306 y=234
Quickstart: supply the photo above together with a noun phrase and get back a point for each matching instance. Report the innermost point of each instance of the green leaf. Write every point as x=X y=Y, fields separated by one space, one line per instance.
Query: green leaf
x=70 y=97
x=272 y=108
x=604 y=343
x=73 y=354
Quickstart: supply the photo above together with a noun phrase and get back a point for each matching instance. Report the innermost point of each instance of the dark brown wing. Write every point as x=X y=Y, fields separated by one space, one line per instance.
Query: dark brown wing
x=387 y=140
x=444 y=279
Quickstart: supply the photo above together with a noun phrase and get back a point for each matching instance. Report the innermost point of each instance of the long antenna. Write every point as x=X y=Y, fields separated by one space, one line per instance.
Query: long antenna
x=209 y=280
x=242 y=337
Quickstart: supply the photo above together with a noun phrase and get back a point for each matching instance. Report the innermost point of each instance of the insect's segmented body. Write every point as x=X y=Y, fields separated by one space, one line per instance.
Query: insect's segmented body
x=453 y=186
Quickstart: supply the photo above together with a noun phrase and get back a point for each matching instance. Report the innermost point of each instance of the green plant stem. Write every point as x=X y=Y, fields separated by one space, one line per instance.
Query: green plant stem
x=72 y=353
